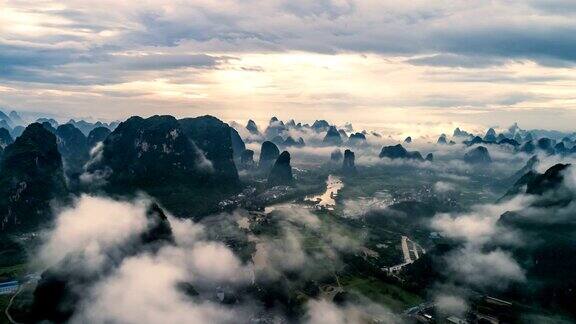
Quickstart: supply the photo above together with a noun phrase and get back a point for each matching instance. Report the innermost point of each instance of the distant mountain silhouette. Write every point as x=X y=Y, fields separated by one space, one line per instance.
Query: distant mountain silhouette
x=332 y=137
x=348 y=164
x=73 y=147
x=269 y=152
x=281 y=173
x=336 y=155
x=97 y=135
x=399 y=152
x=252 y=127
x=5 y=138
x=478 y=155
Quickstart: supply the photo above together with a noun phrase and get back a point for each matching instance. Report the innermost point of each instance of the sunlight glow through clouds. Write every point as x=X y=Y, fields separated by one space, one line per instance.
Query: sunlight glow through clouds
x=372 y=62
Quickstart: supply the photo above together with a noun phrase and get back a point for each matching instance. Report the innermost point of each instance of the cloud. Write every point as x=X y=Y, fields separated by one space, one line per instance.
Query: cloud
x=94 y=224
x=246 y=54
x=285 y=253
x=289 y=249
x=321 y=311
x=203 y=163
x=493 y=246
x=442 y=186
x=451 y=304
x=325 y=312
x=299 y=215
x=144 y=290
x=95 y=178
x=97 y=245
x=289 y=25
x=453 y=60
x=479 y=225
x=215 y=262
x=164 y=61
x=476 y=261
x=494 y=269
x=139 y=285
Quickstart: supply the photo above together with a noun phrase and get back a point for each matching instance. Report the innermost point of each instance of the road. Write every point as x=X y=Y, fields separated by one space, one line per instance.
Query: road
x=7 y=310
x=406 y=250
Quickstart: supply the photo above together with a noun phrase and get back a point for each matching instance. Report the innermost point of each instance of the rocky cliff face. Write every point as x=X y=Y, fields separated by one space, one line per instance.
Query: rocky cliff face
x=247 y=160
x=460 y=133
x=16 y=119
x=357 y=139
x=546 y=145
x=6 y=121
x=399 y=152
x=560 y=148
x=5 y=138
x=478 y=155
x=442 y=139
x=86 y=127
x=48 y=126
x=474 y=140
x=215 y=139
x=17 y=131
x=73 y=147
x=97 y=135
x=508 y=141
x=268 y=155
x=528 y=147
x=548 y=227
x=281 y=173
x=238 y=145
x=275 y=128
x=172 y=160
x=31 y=175
x=320 y=125
x=332 y=137
x=145 y=151
x=348 y=165
x=490 y=135
x=252 y=127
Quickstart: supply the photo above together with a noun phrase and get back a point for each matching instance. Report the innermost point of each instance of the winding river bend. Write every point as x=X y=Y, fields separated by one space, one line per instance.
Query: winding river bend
x=327 y=199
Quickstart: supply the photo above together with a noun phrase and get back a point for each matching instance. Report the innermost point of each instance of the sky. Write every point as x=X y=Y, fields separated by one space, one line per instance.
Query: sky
x=372 y=62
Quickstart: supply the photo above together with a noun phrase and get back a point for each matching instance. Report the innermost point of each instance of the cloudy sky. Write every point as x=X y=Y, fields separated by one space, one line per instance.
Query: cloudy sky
x=487 y=62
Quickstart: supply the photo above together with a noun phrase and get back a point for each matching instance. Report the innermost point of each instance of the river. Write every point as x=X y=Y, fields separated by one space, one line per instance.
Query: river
x=327 y=199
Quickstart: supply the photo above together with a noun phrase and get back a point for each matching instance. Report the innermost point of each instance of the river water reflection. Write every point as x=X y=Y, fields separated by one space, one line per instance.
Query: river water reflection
x=328 y=198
